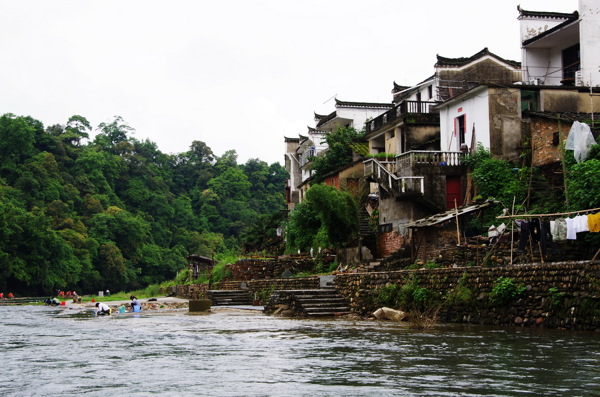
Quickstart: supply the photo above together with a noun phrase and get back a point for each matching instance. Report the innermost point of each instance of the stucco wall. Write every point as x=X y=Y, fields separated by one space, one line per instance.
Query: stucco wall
x=476 y=109
x=589 y=11
x=505 y=122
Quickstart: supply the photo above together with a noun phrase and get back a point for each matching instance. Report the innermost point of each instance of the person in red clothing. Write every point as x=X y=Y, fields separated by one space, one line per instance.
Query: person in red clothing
x=10 y=295
x=1 y=295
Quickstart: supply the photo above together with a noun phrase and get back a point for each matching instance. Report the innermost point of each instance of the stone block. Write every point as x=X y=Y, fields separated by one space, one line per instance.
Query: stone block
x=200 y=305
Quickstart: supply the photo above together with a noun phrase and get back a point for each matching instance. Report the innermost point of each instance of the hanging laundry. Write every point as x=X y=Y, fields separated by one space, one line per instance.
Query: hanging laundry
x=581 y=223
x=535 y=230
x=524 y=235
x=571 y=229
x=560 y=229
x=546 y=238
x=594 y=222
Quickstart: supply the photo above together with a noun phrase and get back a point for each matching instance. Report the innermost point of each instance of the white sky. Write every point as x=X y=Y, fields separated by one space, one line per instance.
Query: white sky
x=235 y=74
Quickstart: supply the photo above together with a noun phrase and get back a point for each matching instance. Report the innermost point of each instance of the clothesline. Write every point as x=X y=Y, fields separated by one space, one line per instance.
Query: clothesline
x=546 y=215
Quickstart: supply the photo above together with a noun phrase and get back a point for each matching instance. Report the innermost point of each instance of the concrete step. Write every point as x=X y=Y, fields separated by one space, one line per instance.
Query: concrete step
x=328 y=314
x=317 y=300
x=326 y=309
x=230 y=297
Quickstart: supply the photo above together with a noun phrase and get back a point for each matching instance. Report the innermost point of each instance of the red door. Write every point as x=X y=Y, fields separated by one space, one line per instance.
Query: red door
x=453 y=191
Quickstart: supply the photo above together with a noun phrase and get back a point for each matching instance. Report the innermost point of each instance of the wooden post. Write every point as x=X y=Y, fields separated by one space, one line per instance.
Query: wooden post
x=457 y=226
x=512 y=231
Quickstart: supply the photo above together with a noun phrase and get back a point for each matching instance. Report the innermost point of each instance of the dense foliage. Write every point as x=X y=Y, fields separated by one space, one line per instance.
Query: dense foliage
x=327 y=217
x=501 y=180
x=116 y=212
x=496 y=178
x=339 y=152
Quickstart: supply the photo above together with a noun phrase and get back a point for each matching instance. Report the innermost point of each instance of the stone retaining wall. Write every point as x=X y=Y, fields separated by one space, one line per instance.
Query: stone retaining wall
x=188 y=291
x=254 y=286
x=253 y=269
x=574 y=304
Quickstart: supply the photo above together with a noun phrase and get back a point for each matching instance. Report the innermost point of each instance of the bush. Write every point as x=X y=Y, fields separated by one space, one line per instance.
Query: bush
x=505 y=290
x=460 y=294
x=388 y=296
x=555 y=296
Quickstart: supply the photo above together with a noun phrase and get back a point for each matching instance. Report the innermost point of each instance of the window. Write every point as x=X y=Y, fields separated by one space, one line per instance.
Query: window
x=529 y=100
x=571 y=63
x=459 y=128
x=430 y=91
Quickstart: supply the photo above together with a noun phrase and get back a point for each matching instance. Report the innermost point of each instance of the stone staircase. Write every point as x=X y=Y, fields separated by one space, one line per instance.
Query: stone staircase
x=230 y=297
x=373 y=266
x=310 y=303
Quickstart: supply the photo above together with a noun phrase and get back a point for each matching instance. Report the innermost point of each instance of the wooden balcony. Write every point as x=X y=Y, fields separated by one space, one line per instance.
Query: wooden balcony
x=404 y=108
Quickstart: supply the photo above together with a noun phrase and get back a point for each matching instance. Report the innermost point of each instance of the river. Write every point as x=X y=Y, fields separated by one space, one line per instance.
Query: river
x=59 y=352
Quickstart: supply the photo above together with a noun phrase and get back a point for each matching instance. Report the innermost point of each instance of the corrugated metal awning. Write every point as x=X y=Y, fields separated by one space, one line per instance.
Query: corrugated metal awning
x=447 y=215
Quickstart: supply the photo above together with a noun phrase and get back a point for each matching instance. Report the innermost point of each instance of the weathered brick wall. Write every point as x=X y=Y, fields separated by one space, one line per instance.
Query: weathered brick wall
x=578 y=282
x=546 y=147
x=390 y=242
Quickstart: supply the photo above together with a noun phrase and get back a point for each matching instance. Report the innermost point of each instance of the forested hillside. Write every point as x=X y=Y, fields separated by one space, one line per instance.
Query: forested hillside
x=115 y=212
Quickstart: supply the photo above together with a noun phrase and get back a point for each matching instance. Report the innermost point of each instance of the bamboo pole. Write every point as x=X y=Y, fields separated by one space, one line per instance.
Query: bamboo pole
x=512 y=232
x=547 y=215
x=457 y=225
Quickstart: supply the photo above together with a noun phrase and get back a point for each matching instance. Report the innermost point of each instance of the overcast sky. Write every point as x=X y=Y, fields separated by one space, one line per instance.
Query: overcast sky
x=235 y=74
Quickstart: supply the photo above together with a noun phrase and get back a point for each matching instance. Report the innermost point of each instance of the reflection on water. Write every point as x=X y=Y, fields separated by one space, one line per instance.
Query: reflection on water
x=48 y=352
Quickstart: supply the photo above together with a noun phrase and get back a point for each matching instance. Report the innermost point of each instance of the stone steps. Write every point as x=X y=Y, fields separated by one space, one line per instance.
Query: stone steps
x=230 y=297
x=322 y=302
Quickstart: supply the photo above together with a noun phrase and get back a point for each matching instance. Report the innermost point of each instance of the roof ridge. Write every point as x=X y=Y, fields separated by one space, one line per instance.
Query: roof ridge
x=363 y=104
x=465 y=60
x=546 y=14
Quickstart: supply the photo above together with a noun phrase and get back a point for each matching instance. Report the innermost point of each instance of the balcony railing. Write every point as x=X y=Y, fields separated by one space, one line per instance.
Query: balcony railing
x=384 y=172
x=391 y=182
x=306 y=157
x=406 y=107
x=414 y=157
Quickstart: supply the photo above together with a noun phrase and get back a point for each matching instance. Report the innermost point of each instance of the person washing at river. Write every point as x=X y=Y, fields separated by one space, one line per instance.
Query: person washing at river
x=103 y=309
x=135 y=304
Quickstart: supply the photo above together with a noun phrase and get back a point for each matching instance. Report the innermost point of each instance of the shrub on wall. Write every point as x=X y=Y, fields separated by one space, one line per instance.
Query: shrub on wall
x=505 y=290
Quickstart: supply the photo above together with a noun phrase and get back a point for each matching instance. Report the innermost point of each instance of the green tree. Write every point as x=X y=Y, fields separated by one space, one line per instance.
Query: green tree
x=327 y=217
x=338 y=154
x=337 y=210
x=77 y=128
x=584 y=185
x=17 y=138
x=113 y=133
x=496 y=178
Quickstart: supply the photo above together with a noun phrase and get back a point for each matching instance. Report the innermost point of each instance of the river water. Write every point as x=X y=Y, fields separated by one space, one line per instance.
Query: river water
x=54 y=352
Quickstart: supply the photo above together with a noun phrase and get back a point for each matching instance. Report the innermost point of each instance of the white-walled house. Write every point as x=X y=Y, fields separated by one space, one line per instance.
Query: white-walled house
x=487 y=114
x=350 y=114
x=300 y=151
x=561 y=48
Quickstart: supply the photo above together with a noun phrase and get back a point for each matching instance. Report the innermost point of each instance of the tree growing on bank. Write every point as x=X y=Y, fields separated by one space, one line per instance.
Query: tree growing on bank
x=327 y=217
x=115 y=212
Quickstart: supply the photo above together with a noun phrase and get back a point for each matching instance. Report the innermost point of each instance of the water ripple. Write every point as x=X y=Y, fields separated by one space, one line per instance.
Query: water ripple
x=249 y=354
